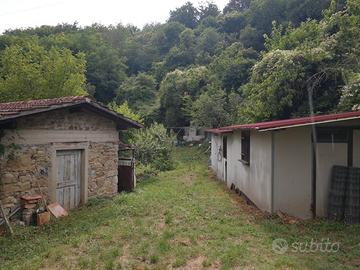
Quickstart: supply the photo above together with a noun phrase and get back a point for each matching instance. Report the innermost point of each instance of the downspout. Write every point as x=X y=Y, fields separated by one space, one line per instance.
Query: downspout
x=272 y=171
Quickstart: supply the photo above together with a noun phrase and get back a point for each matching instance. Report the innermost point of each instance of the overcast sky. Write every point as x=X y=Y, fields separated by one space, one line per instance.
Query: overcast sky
x=26 y=13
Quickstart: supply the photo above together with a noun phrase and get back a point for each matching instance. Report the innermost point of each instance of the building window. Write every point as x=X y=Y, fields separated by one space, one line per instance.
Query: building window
x=224 y=147
x=245 y=147
x=332 y=135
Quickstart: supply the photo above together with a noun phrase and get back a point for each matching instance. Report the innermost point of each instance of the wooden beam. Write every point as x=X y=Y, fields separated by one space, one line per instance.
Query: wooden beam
x=8 y=225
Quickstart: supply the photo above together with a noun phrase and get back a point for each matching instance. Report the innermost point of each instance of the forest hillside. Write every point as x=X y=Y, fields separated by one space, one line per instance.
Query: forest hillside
x=255 y=60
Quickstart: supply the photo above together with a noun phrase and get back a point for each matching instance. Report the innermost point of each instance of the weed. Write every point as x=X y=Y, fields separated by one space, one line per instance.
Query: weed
x=174 y=219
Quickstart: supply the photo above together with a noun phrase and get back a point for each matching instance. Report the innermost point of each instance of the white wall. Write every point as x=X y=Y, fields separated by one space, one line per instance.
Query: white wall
x=216 y=156
x=293 y=171
x=356 y=148
x=253 y=180
x=192 y=136
x=328 y=155
x=238 y=174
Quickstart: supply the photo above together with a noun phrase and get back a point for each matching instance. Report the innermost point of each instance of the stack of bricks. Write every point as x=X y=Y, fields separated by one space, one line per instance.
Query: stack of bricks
x=29 y=205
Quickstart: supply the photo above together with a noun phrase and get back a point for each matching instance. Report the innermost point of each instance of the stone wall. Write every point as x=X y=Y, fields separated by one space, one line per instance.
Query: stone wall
x=67 y=120
x=26 y=167
x=24 y=171
x=103 y=165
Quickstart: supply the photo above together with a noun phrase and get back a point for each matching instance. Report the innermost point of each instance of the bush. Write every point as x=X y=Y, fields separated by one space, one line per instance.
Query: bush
x=153 y=146
x=144 y=172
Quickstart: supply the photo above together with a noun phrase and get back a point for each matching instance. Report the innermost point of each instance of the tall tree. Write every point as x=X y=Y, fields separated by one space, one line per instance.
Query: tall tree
x=237 y=5
x=138 y=91
x=187 y=14
x=233 y=66
x=208 y=10
x=29 y=71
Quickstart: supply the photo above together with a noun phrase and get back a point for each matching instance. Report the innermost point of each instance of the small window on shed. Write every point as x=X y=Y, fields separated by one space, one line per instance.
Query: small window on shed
x=332 y=135
x=245 y=147
x=224 y=147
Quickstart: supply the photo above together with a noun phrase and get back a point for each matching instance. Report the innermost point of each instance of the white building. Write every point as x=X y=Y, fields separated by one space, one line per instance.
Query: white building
x=194 y=134
x=286 y=165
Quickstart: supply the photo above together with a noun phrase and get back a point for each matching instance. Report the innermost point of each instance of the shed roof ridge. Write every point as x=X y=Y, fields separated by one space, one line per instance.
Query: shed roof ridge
x=288 y=123
x=39 y=103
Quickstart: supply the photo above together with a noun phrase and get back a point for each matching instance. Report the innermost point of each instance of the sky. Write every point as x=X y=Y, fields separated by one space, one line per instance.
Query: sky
x=30 y=13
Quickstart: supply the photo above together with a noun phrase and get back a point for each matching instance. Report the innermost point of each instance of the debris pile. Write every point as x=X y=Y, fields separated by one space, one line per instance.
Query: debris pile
x=34 y=210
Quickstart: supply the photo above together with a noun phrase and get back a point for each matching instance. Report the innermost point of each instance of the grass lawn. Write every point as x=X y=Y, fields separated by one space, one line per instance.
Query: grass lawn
x=182 y=219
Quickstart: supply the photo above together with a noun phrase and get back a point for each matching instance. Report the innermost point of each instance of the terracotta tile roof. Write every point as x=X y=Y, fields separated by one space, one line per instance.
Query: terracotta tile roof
x=13 y=110
x=289 y=123
x=15 y=107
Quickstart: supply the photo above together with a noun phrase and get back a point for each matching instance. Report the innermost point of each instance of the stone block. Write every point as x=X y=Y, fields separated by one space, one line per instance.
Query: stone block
x=12 y=188
x=8 y=178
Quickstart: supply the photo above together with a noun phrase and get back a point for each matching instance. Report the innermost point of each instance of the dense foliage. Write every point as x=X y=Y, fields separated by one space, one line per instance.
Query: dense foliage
x=255 y=60
x=153 y=146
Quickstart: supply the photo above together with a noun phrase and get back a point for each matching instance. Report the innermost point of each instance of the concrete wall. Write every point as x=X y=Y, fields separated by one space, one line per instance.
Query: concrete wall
x=292 y=161
x=259 y=184
x=328 y=155
x=253 y=180
x=238 y=173
x=293 y=171
x=216 y=156
x=356 y=148
x=28 y=166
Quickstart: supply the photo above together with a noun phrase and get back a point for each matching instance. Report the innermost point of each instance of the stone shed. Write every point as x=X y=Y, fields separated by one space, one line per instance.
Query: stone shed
x=64 y=148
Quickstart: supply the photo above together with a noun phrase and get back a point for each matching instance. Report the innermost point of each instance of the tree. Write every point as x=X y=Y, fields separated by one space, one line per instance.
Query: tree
x=29 y=71
x=125 y=110
x=233 y=22
x=167 y=37
x=139 y=91
x=317 y=61
x=208 y=10
x=187 y=14
x=237 y=5
x=105 y=69
x=172 y=89
x=177 y=87
x=209 y=110
x=282 y=82
x=251 y=38
x=233 y=66
x=209 y=41
x=184 y=54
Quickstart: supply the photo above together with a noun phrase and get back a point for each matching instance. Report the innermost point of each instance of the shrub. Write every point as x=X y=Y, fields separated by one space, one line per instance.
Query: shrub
x=153 y=146
x=144 y=172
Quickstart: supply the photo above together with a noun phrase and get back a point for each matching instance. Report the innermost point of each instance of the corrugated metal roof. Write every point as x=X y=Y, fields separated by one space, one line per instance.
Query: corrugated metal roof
x=290 y=123
x=13 y=110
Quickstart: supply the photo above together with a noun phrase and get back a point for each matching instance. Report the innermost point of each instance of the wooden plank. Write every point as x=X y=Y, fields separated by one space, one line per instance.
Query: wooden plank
x=78 y=178
x=10 y=230
x=69 y=177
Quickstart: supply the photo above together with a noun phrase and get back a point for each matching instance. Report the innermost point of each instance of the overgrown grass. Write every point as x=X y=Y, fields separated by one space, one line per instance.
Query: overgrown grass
x=180 y=219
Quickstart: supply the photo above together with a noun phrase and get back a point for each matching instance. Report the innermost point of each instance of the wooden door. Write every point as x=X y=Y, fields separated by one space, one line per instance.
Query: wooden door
x=126 y=176
x=68 y=180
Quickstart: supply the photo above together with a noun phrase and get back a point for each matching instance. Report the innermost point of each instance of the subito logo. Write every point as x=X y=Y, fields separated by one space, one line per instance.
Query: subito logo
x=280 y=246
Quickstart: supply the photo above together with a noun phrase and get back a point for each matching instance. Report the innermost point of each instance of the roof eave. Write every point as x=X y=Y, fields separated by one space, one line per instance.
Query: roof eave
x=122 y=121
x=309 y=124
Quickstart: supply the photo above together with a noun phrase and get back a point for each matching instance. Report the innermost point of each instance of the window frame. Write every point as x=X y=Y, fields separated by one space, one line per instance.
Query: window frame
x=224 y=147
x=245 y=147
x=334 y=134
